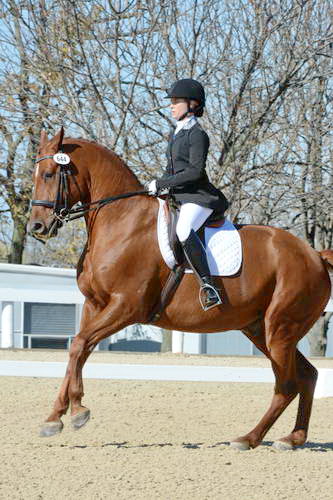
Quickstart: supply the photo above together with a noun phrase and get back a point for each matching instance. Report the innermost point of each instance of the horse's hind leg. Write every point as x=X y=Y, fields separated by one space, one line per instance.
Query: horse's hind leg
x=282 y=355
x=294 y=374
x=306 y=383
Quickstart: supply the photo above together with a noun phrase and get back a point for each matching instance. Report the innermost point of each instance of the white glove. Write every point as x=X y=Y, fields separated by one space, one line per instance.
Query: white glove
x=152 y=188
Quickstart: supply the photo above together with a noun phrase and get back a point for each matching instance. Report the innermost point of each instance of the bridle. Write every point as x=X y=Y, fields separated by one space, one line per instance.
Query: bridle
x=61 y=211
x=61 y=203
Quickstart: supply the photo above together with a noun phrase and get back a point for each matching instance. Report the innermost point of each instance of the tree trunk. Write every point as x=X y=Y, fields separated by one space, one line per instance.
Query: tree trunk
x=18 y=240
x=166 y=345
x=318 y=335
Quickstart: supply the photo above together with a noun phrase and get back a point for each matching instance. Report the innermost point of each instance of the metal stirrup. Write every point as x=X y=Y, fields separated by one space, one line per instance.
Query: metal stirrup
x=202 y=289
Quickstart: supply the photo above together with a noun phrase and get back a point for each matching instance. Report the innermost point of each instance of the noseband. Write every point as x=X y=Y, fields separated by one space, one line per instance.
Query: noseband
x=60 y=205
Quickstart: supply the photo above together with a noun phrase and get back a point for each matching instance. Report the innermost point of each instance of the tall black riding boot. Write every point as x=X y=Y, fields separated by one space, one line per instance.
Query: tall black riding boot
x=196 y=256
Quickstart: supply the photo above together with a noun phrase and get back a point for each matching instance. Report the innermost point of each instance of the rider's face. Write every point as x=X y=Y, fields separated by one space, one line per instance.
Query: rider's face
x=178 y=107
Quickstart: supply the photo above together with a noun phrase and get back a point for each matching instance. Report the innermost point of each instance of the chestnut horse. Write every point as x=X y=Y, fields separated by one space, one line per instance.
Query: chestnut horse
x=281 y=290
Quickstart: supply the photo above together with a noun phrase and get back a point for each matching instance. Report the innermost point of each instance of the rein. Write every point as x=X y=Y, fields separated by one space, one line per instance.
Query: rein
x=86 y=207
x=60 y=205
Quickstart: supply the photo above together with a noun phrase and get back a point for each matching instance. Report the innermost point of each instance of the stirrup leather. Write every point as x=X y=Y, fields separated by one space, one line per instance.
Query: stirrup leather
x=202 y=297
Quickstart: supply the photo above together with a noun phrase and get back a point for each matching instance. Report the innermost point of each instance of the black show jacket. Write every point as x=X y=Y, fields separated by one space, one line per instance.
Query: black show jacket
x=186 y=170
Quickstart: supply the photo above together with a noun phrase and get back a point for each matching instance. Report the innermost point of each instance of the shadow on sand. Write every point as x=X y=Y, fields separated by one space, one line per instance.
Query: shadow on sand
x=321 y=447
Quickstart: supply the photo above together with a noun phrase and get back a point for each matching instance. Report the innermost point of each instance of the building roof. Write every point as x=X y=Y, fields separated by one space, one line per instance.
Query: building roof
x=23 y=283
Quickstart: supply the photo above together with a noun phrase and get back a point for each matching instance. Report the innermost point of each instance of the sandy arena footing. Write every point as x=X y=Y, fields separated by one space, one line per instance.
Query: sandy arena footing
x=158 y=439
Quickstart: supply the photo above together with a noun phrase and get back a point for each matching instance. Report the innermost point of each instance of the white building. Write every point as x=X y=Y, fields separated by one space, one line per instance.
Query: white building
x=41 y=307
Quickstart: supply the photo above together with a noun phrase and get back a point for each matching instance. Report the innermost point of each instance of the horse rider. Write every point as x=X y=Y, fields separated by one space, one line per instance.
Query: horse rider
x=187 y=182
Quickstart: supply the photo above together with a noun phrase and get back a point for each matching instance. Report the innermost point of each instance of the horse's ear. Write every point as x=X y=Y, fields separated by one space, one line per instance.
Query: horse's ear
x=43 y=138
x=58 y=138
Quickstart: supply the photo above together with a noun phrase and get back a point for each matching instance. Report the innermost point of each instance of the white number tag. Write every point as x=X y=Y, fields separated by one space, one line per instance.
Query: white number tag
x=61 y=158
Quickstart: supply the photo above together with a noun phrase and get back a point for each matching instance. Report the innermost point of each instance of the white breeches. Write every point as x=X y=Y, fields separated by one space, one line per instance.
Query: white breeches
x=191 y=216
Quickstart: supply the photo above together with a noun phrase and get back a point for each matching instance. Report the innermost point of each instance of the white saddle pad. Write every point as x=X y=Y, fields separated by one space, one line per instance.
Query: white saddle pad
x=223 y=246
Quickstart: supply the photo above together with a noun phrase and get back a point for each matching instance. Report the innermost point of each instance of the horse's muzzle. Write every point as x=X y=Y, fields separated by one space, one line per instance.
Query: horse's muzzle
x=41 y=232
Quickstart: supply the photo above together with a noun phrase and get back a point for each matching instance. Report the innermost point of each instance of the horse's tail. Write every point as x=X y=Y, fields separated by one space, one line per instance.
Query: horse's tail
x=327 y=256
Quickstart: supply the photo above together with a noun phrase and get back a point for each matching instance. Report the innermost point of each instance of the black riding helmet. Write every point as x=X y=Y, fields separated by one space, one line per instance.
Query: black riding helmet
x=187 y=88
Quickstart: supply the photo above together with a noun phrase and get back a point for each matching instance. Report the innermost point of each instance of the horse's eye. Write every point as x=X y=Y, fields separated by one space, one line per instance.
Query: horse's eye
x=48 y=175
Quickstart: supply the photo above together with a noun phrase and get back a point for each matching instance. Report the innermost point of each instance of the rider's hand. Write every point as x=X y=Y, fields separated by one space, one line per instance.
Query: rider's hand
x=152 y=188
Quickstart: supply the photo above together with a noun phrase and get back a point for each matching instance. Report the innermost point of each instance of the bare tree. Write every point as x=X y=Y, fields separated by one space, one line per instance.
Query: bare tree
x=101 y=69
x=24 y=101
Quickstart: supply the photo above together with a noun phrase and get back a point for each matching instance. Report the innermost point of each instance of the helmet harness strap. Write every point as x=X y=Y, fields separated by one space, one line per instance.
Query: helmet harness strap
x=190 y=110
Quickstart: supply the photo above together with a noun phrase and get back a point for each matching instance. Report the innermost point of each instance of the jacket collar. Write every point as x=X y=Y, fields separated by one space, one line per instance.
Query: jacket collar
x=175 y=137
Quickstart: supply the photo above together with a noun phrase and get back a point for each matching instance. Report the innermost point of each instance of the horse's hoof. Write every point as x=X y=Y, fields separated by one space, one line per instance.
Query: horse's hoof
x=49 y=429
x=240 y=445
x=80 y=419
x=282 y=446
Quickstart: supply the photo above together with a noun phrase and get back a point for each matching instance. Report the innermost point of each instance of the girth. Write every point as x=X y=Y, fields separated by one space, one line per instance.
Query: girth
x=167 y=293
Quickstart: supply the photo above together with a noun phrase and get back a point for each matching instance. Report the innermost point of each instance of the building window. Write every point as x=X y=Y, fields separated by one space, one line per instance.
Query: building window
x=48 y=325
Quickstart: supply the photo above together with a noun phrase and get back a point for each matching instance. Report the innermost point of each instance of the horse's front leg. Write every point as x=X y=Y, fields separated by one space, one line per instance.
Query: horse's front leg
x=99 y=326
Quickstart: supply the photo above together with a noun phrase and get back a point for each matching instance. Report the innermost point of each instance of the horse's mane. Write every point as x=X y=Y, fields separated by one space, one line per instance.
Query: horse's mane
x=111 y=153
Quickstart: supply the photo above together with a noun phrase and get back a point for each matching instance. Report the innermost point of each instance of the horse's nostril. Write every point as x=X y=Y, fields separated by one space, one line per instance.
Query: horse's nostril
x=37 y=227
